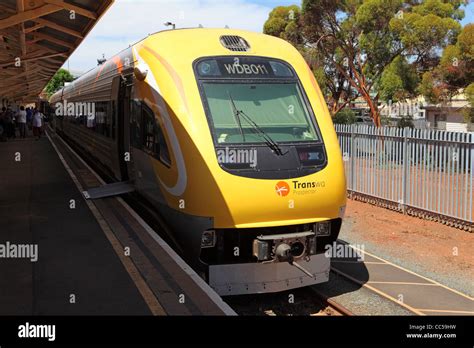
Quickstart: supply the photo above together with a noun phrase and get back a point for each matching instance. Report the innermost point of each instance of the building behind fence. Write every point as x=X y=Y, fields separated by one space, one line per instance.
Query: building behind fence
x=427 y=173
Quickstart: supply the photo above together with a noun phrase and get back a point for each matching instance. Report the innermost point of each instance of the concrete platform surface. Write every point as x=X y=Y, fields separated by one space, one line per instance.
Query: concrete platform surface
x=81 y=267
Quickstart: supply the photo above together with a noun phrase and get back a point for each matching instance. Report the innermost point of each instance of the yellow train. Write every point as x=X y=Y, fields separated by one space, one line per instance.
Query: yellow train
x=227 y=135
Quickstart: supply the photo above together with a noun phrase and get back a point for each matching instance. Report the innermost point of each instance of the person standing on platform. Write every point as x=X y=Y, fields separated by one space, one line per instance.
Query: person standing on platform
x=3 y=128
x=21 y=119
x=29 y=118
x=9 y=125
x=37 y=123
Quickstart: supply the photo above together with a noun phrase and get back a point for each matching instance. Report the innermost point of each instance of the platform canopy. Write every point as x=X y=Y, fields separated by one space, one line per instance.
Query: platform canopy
x=37 y=37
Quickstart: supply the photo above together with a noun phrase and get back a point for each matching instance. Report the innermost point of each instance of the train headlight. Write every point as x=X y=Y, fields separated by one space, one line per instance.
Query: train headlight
x=205 y=68
x=322 y=229
x=261 y=250
x=208 y=239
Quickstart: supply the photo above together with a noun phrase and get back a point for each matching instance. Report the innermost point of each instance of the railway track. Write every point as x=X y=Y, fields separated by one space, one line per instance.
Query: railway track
x=297 y=302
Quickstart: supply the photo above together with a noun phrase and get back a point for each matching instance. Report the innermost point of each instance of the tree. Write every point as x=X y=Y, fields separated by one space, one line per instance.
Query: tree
x=469 y=111
x=285 y=22
x=57 y=82
x=345 y=116
x=454 y=72
x=405 y=122
x=372 y=34
x=399 y=81
x=356 y=41
x=338 y=91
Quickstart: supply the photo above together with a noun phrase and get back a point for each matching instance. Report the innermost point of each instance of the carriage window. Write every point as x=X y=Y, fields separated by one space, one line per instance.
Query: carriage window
x=95 y=116
x=146 y=133
x=102 y=118
x=149 y=140
x=113 y=116
x=136 y=125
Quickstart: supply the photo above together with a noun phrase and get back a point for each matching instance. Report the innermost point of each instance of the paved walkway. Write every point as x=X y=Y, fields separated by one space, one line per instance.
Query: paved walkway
x=82 y=265
x=77 y=272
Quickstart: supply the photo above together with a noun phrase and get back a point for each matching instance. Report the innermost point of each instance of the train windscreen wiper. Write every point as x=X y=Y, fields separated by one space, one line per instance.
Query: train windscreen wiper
x=272 y=144
x=237 y=117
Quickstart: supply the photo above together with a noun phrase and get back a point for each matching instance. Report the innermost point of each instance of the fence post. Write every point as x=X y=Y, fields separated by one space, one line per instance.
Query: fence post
x=352 y=154
x=405 y=170
x=471 y=159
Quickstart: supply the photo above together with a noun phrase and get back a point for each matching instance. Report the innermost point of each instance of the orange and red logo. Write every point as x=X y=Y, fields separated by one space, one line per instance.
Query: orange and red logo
x=282 y=189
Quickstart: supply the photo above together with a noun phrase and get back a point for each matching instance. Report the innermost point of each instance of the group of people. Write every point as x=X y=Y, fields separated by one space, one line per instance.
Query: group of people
x=23 y=119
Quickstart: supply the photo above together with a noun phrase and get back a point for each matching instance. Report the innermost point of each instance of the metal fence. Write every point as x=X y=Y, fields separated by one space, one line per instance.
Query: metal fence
x=427 y=173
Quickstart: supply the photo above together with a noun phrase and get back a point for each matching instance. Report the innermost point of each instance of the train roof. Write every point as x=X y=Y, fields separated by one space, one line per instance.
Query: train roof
x=182 y=46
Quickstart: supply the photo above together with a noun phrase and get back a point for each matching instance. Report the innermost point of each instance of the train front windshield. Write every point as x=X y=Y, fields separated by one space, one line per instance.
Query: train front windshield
x=277 y=109
x=251 y=100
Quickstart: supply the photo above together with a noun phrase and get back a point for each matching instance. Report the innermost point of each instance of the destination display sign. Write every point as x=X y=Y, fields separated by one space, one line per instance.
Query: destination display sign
x=243 y=67
x=239 y=67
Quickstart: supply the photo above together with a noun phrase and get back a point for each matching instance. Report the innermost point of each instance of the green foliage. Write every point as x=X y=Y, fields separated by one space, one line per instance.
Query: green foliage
x=455 y=70
x=275 y=26
x=439 y=8
x=405 y=122
x=466 y=41
x=283 y=22
x=399 y=81
x=376 y=49
x=423 y=35
x=380 y=46
x=434 y=7
x=375 y=39
x=470 y=94
x=427 y=88
x=321 y=77
x=345 y=116
x=469 y=111
x=57 y=82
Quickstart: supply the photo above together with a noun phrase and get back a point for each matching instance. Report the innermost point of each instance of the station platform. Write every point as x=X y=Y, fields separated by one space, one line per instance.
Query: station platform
x=92 y=257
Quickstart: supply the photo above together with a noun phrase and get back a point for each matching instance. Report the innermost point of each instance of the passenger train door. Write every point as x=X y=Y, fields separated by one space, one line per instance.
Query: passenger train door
x=121 y=91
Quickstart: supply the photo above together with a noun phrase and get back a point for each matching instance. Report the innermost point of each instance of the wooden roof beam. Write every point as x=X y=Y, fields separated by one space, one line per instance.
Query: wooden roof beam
x=33 y=41
x=58 y=27
x=55 y=40
x=48 y=68
x=39 y=49
x=25 y=84
x=19 y=76
x=29 y=59
x=20 y=7
x=28 y=15
x=47 y=63
x=82 y=11
x=33 y=28
x=7 y=9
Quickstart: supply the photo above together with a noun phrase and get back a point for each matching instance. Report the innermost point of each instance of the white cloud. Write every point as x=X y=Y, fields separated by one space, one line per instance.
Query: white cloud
x=128 y=21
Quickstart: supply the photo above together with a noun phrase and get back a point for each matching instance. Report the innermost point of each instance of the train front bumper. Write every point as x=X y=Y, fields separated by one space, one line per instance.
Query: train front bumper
x=255 y=278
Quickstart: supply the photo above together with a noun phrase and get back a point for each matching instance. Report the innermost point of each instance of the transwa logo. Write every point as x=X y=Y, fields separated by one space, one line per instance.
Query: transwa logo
x=282 y=189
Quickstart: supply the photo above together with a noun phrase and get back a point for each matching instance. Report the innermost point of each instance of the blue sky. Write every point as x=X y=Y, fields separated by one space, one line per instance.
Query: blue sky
x=129 y=21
